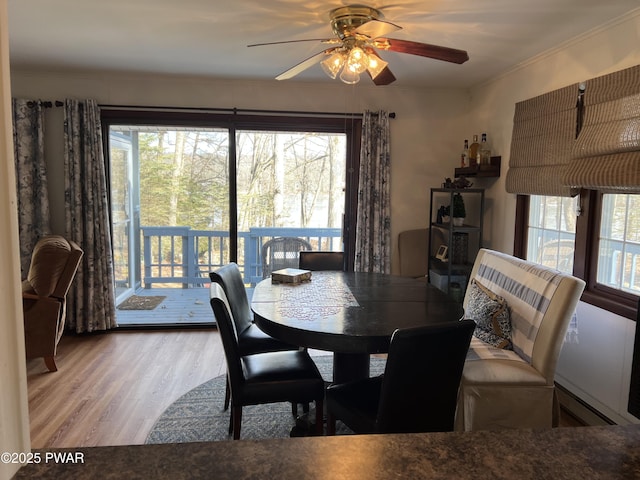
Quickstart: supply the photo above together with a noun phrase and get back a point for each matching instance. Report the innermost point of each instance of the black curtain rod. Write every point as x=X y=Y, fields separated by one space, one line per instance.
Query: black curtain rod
x=235 y=111
x=45 y=103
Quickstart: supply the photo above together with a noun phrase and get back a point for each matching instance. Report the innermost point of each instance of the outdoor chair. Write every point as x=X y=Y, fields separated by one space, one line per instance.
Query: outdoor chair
x=282 y=252
x=419 y=387
x=272 y=377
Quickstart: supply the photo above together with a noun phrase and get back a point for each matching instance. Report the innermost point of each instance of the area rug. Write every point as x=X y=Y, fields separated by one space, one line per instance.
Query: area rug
x=140 y=302
x=198 y=415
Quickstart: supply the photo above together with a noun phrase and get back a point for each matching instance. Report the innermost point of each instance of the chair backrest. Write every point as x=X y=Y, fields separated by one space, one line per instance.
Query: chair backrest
x=54 y=263
x=541 y=303
x=282 y=252
x=317 y=261
x=228 y=334
x=422 y=377
x=230 y=278
x=558 y=254
x=413 y=254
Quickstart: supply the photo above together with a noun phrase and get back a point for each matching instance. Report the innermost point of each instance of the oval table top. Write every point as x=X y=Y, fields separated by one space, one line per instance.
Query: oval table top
x=348 y=312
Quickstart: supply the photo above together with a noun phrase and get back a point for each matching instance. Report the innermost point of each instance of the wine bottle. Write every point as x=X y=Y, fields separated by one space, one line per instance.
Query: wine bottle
x=484 y=152
x=464 y=158
x=473 y=152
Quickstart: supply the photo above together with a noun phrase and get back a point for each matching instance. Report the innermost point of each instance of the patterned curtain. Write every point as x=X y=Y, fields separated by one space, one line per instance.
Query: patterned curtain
x=91 y=304
x=31 y=176
x=373 y=233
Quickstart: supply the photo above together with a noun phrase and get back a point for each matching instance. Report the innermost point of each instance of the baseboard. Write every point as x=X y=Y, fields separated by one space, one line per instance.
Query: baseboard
x=581 y=410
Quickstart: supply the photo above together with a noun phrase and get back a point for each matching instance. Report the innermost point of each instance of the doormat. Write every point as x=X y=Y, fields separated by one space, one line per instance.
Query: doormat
x=139 y=302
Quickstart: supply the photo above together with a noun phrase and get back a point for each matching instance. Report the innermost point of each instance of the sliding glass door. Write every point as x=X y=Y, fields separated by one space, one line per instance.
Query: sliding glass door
x=188 y=198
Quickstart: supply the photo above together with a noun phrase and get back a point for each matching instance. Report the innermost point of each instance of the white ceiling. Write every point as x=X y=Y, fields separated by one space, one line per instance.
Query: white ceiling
x=210 y=37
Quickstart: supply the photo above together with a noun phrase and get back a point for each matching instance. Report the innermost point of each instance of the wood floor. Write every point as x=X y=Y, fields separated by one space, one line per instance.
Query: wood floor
x=110 y=388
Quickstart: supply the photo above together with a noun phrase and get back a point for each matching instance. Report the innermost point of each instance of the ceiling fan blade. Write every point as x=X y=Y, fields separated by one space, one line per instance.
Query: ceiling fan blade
x=323 y=40
x=377 y=28
x=445 y=54
x=302 y=66
x=385 y=77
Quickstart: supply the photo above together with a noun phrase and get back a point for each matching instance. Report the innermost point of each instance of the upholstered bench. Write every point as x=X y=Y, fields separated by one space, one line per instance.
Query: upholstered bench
x=509 y=382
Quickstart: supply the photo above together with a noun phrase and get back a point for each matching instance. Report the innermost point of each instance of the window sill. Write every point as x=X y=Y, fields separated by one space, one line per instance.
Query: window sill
x=623 y=306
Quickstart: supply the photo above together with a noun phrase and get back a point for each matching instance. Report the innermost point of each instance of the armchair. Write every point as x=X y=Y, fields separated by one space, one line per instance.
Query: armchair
x=54 y=263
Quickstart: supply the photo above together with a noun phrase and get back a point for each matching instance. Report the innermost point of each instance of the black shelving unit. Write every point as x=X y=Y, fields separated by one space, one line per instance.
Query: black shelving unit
x=462 y=242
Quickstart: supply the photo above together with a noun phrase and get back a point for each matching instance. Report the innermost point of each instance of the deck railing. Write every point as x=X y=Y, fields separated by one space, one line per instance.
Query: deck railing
x=180 y=255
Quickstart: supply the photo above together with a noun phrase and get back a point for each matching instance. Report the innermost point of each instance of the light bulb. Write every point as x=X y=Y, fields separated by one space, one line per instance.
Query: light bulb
x=376 y=65
x=349 y=76
x=358 y=61
x=333 y=64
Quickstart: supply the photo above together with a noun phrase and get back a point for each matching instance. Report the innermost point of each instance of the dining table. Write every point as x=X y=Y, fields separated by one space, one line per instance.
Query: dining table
x=352 y=314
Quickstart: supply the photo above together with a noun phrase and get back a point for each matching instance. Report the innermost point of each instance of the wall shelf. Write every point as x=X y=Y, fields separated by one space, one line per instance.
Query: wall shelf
x=491 y=170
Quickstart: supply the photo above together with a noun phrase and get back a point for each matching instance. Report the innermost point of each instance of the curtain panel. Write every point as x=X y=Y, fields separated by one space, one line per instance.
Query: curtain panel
x=31 y=176
x=91 y=304
x=606 y=154
x=373 y=231
x=544 y=129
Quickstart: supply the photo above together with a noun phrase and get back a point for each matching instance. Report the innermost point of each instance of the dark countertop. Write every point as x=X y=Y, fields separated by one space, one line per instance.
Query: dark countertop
x=585 y=453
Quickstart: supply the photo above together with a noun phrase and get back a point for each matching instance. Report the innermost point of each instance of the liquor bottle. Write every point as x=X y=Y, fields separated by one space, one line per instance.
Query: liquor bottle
x=484 y=152
x=464 y=158
x=473 y=152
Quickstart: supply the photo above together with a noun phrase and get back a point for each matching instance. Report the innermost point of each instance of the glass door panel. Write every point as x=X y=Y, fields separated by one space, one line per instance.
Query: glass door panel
x=121 y=213
x=171 y=216
x=290 y=184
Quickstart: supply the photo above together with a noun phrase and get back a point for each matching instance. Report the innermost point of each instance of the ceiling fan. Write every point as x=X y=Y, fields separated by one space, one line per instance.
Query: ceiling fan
x=360 y=32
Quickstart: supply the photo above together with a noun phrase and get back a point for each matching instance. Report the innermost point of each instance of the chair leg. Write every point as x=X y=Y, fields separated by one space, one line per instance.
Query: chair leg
x=294 y=408
x=227 y=395
x=319 y=417
x=331 y=424
x=237 y=421
x=50 y=362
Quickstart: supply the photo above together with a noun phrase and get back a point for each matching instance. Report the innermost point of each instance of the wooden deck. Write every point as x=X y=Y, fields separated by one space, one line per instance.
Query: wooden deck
x=181 y=307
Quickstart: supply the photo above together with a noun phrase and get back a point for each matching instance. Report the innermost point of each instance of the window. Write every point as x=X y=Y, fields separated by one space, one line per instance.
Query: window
x=619 y=243
x=552 y=231
x=595 y=236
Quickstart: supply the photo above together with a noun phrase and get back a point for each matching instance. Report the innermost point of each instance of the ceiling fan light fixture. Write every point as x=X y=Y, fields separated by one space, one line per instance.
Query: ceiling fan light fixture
x=332 y=64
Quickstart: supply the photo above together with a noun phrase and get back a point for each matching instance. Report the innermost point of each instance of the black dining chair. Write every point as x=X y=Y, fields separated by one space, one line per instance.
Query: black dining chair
x=272 y=377
x=250 y=338
x=418 y=390
x=317 y=261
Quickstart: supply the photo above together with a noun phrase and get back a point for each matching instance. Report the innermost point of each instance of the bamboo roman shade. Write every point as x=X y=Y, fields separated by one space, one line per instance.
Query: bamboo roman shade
x=544 y=129
x=606 y=154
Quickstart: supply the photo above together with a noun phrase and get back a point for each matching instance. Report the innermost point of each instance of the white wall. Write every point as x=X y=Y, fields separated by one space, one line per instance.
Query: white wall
x=14 y=412
x=597 y=369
